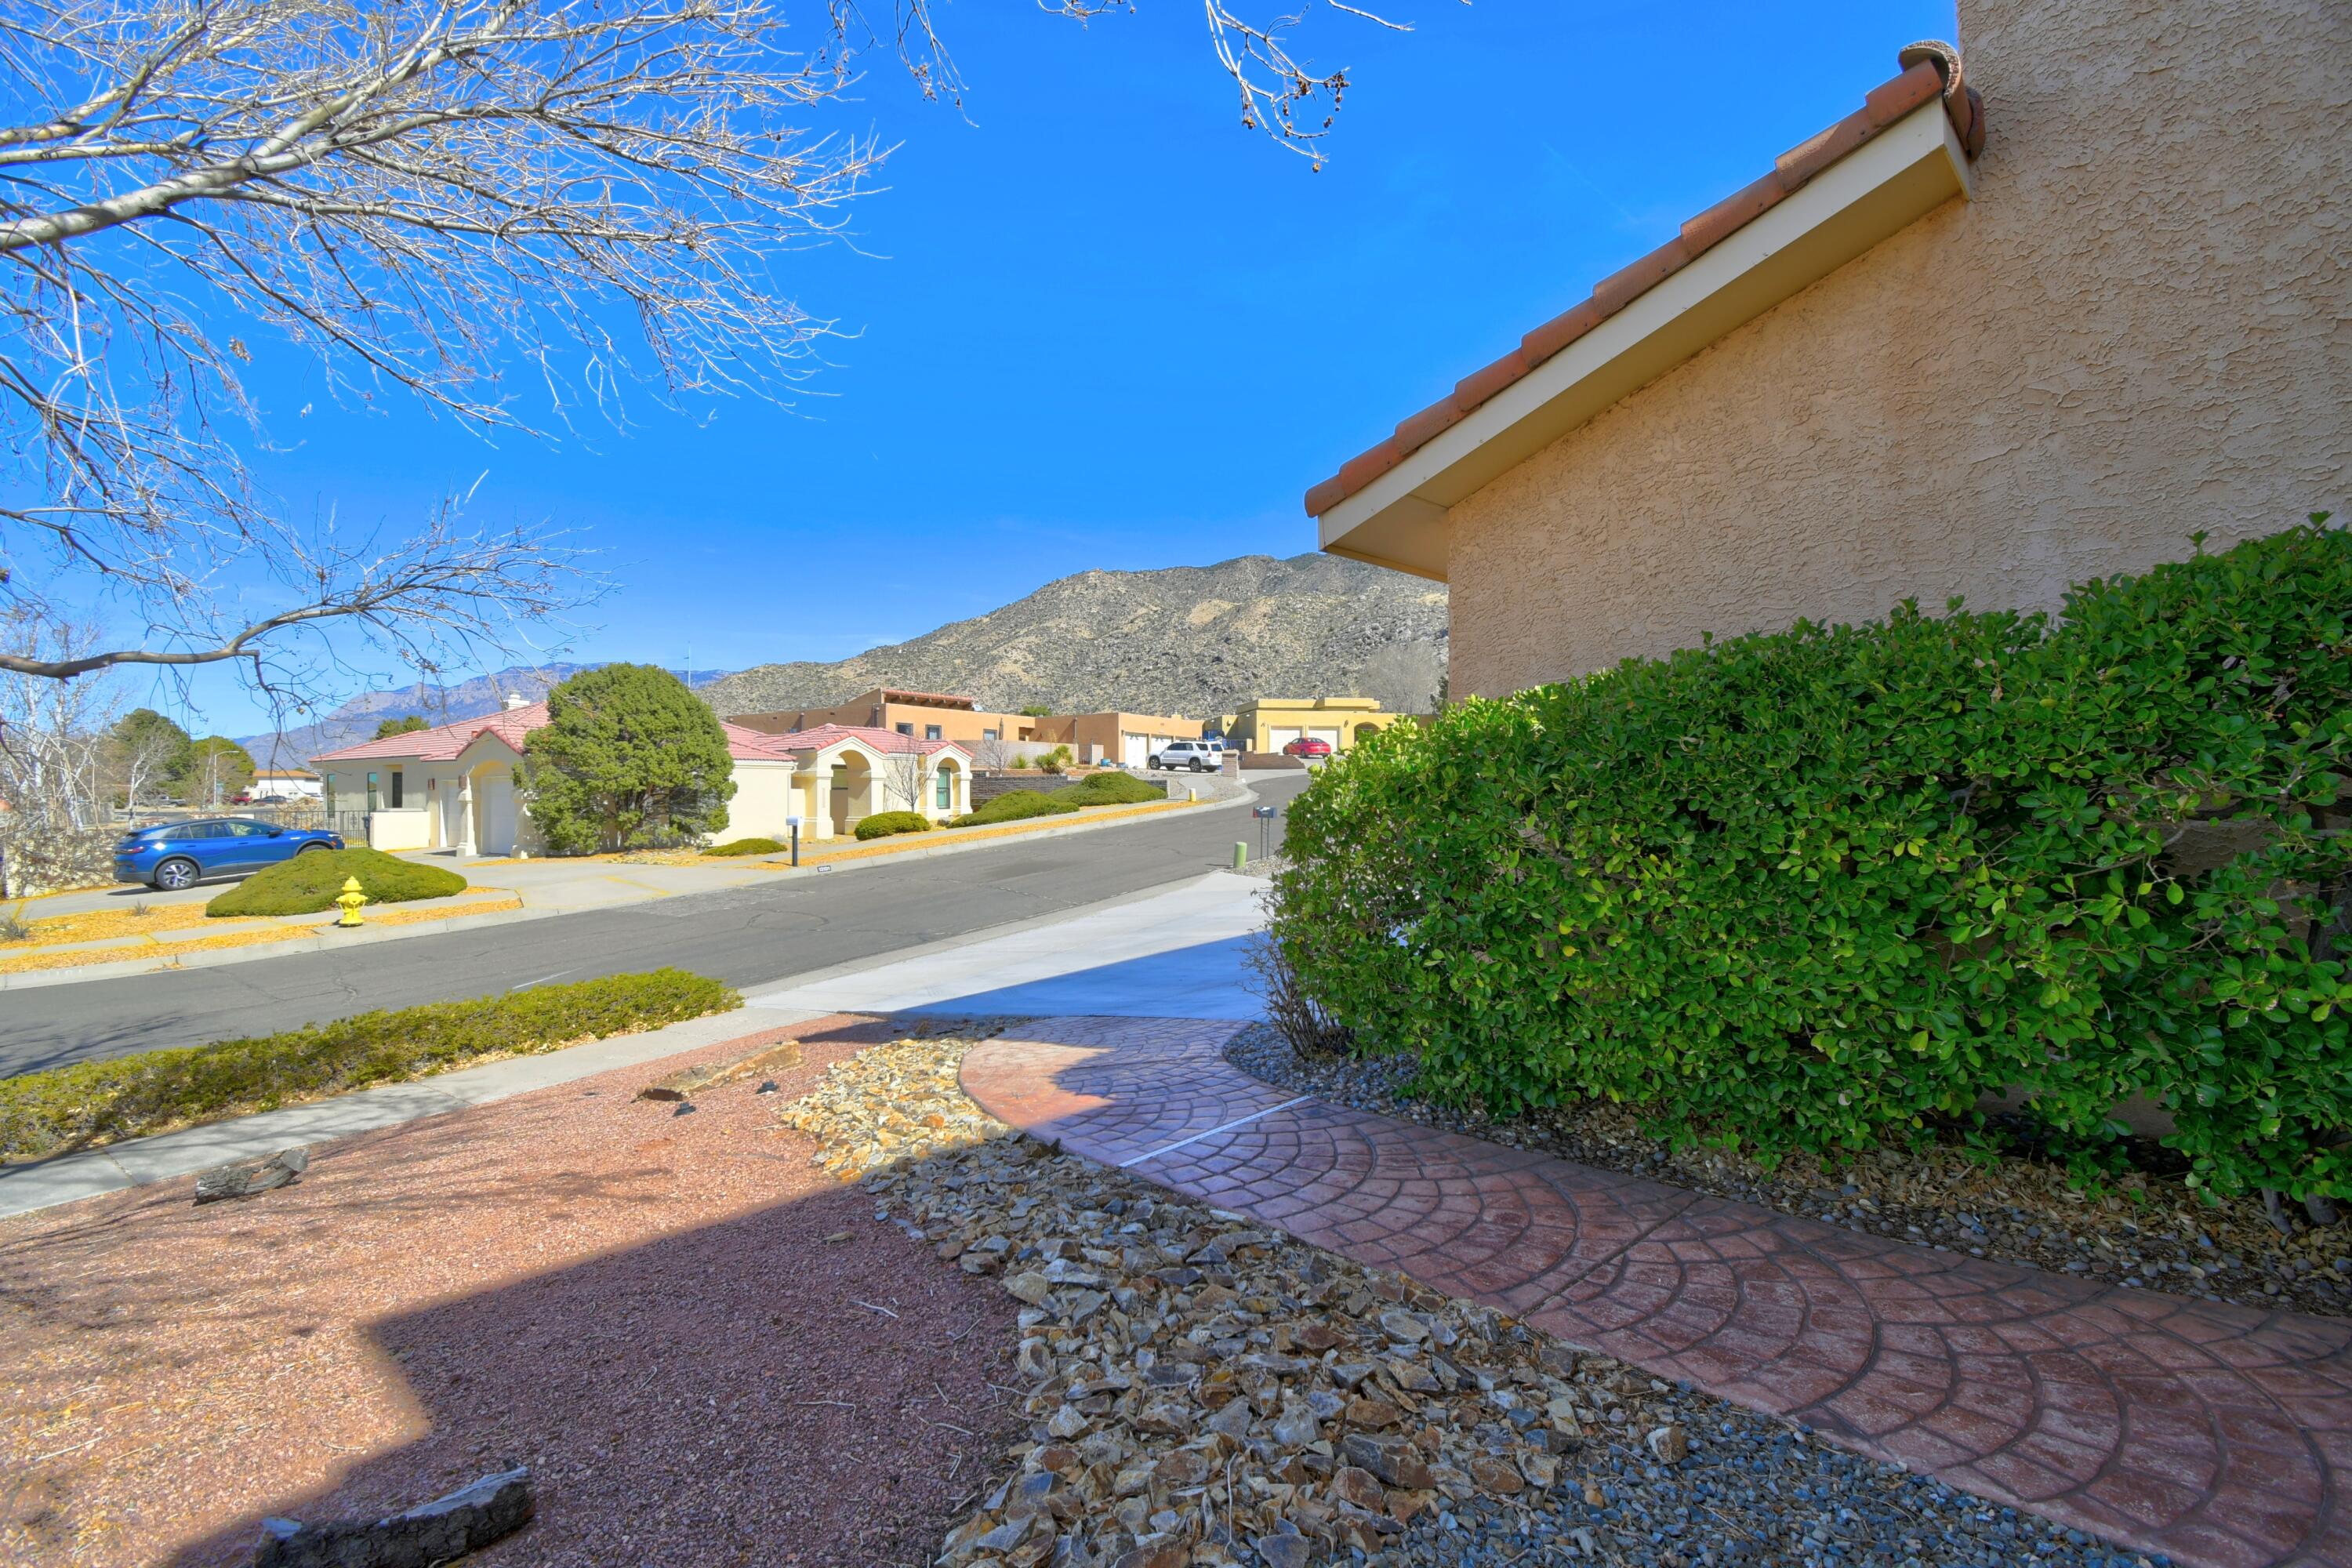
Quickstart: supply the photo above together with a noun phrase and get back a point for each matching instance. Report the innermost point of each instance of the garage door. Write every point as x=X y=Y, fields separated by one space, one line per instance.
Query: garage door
x=1133 y=750
x=1330 y=737
x=1277 y=737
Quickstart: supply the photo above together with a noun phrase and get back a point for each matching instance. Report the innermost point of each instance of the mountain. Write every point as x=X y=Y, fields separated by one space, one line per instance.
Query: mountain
x=1191 y=640
x=356 y=720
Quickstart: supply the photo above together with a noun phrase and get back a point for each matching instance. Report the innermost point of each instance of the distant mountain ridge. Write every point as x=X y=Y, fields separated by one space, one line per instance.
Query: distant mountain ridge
x=1192 y=640
x=356 y=720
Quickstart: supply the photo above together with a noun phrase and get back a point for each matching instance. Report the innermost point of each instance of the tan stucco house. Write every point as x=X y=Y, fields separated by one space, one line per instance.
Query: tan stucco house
x=455 y=786
x=1999 y=330
x=1127 y=738
x=1270 y=724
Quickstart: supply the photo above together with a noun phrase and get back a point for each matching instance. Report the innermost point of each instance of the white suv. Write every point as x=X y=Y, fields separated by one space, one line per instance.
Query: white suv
x=1200 y=756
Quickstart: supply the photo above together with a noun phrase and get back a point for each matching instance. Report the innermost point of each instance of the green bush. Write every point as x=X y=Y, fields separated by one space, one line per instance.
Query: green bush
x=1109 y=789
x=883 y=824
x=73 y=1107
x=308 y=883
x=1015 y=805
x=747 y=846
x=1828 y=887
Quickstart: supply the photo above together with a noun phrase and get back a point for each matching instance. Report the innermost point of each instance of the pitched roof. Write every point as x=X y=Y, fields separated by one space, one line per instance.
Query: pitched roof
x=445 y=743
x=887 y=742
x=1929 y=69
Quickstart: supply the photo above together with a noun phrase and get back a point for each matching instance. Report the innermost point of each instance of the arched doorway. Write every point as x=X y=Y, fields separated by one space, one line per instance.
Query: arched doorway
x=853 y=791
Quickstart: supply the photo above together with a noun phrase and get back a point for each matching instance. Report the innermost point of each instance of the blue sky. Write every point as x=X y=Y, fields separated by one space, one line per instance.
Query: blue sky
x=1097 y=324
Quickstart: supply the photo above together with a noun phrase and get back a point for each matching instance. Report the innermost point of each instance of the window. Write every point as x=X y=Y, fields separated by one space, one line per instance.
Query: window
x=931 y=731
x=945 y=795
x=905 y=729
x=243 y=831
x=395 y=789
x=990 y=735
x=371 y=790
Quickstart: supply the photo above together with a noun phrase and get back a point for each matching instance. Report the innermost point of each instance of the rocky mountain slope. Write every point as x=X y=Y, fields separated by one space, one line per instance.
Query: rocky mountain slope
x=1193 y=640
x=356 y=720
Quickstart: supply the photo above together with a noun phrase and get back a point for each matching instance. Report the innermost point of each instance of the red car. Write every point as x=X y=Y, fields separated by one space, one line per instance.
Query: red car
x=1308 y=746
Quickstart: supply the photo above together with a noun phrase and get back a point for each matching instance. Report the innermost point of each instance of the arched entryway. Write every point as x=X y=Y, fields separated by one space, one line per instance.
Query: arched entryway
x=853 y=791
x=950 y=795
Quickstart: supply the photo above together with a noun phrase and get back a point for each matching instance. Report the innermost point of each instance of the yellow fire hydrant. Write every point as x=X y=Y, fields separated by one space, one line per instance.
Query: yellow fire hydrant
x=350 y=900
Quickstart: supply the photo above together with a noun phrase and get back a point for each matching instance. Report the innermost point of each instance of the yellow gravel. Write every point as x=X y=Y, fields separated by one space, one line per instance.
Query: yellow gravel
x=249 y=937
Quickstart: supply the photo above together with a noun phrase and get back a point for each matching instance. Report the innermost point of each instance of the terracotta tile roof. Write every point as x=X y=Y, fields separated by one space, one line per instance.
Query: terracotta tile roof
x=513 y=725
x=887 y=742
x=1929 y=69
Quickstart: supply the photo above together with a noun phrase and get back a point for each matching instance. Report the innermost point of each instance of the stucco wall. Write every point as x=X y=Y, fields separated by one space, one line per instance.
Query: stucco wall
x=2140 y=327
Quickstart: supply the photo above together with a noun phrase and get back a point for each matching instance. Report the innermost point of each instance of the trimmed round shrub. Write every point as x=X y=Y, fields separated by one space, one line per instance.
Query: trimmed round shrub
x=1829 y=886
x=1015 y=805
x=747 y=846
x=1109 y=789
x=883 y=824
x=311 y=881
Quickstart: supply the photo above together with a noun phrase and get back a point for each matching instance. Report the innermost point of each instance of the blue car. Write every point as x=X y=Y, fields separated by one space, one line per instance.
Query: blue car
x=182 y=853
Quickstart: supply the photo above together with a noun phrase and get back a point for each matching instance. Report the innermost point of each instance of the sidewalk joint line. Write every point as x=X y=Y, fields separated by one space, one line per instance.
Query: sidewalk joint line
x=1211 y=1132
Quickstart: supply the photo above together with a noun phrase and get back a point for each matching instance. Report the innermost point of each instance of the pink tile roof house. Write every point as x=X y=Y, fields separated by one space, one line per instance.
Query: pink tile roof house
x=445 y=743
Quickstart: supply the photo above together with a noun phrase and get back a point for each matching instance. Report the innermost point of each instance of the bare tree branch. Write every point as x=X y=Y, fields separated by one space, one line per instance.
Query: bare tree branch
x=421 y=197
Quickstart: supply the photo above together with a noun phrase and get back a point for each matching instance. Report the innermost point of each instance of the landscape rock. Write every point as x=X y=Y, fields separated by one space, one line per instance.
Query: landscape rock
x=690 y=1082
x=439 y=1531
x=250 y=1177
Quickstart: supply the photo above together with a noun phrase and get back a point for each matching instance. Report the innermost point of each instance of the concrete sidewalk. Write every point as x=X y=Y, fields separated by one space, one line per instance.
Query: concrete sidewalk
x=1174 y=954
x=135 y=1163
x=1151 y=957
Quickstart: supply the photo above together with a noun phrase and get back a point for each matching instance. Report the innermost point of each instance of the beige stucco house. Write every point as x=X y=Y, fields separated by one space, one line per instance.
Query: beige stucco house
x=1128 y=739
x=1998 y=331
x=1270 y=724
x=456 y=787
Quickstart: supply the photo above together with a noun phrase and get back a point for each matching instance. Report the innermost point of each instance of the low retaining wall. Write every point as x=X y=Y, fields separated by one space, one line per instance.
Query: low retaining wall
x=34 y=863
x=1252 y=761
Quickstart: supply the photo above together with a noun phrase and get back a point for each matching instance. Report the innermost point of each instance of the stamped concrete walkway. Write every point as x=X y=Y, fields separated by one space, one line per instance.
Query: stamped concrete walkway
x=2215 y=1435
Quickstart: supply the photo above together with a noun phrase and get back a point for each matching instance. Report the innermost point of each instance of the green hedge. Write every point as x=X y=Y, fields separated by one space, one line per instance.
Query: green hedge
x=746 y=846
x=1109 y=789
x=309 y=881
x=884 y=824
x=73 y=1107
x=1818 y=888
x=1016 y=806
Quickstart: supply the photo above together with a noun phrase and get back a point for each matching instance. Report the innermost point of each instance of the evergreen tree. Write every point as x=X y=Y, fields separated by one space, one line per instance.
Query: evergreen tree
x=628 y=758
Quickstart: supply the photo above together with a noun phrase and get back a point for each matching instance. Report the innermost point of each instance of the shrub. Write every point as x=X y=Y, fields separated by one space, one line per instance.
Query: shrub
x=1817 y=888
x=1015 y=805
x=1054 y=761
x=1109 y=789
x=129 y=1096
x=308 y=883
x=747 y=846
x=628 y=759
x=883 y=824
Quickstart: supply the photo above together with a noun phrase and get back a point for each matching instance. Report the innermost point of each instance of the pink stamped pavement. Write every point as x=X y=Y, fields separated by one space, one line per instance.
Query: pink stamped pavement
x=2212 y=1434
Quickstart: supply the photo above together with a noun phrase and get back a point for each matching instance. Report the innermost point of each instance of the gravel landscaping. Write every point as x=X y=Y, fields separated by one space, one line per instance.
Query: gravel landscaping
x=1198 y=1391
x=2150 y=1231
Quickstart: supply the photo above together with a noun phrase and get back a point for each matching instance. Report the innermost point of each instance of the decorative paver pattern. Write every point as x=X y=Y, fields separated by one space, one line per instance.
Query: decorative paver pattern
x=2210 y=1433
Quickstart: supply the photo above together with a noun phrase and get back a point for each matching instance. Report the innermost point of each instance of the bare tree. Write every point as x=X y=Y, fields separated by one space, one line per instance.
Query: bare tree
x=902 y=775
x=422 y=199
x=1403 y=676
x=52 y=732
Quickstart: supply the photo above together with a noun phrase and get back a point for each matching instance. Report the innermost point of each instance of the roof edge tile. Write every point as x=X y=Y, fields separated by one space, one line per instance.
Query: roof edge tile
x=1929 y=69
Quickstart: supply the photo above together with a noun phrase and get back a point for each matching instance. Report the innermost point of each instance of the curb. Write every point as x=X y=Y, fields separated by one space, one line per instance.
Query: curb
x=293 y=946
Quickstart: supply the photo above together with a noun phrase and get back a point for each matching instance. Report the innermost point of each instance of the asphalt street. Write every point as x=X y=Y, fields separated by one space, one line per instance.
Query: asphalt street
x=746 y=936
